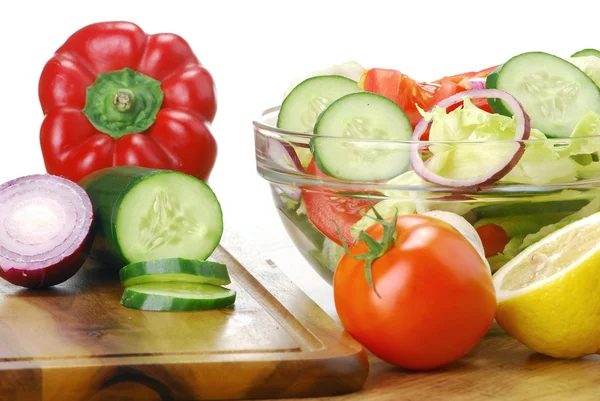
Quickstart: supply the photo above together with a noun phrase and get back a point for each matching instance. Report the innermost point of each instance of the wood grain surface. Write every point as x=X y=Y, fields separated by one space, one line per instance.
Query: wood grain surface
x=499 y=368
x=76 y=343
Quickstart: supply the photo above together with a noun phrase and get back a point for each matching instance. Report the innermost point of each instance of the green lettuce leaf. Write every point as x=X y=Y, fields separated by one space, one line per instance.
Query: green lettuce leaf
x=423 y=200
x=542 y=162
x=518 y=244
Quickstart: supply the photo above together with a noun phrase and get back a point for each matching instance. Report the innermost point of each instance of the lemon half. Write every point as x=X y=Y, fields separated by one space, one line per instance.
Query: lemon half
x=549 y=295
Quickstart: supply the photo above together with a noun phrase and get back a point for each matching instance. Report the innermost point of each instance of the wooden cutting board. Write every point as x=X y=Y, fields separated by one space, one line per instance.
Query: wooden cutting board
x=76 y=343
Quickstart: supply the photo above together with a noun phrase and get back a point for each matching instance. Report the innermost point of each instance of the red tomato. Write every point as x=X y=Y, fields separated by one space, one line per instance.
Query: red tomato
x=403 y=90
x=436 y=299
x=463 y=79
x=484 y=73
x=494 y=239
x=447 y=89
x=325 y=209
x=462 y=83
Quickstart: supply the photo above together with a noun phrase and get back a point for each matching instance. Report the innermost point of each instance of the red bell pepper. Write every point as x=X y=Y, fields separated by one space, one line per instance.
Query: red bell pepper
x=113 y=95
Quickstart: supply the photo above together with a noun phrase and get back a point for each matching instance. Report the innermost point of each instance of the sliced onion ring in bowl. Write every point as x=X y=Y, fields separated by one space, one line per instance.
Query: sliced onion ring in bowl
x=285 y=157
x=495 y=172
x=45 y=230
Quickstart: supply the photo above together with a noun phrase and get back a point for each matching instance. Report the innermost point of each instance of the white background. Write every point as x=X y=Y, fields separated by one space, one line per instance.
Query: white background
x=255 y=48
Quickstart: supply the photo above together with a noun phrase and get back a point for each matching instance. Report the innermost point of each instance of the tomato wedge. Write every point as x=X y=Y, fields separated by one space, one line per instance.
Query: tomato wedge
x=326 y=208
x=462 y=84
x=404 y=91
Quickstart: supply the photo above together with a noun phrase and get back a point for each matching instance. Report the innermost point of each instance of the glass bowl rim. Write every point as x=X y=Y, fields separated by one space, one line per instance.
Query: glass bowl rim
x=276 y=175
x=280 y=132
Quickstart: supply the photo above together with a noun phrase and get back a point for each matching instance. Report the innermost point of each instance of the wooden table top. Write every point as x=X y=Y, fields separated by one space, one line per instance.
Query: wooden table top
x=499 y=368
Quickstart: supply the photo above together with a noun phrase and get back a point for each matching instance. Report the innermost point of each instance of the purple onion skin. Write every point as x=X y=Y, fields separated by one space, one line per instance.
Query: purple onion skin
x=53 y=274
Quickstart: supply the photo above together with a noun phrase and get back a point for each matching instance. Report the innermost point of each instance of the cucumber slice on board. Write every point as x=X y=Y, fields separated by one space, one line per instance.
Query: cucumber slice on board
x=177 y=296
x=555 y=93
x=174 y=269
x=146 y=214
x=586 y=52
x=356 y=138
x=301 y=108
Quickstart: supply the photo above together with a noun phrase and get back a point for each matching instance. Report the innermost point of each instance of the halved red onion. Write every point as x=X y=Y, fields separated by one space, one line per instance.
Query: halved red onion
x=285 y=156
x=45 y=230
x=495 y=172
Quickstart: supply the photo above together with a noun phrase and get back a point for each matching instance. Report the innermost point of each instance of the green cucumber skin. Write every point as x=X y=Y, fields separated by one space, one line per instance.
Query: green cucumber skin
x=529 y=208
x=496 y=104
x=586 y=52
x=178 y=269
x=492 y=83
x=106 y=189
x=164 y=303
x=527 y=223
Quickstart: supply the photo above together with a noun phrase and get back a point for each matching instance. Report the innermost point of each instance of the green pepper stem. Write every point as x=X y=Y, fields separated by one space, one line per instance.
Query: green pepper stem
x=124 y=100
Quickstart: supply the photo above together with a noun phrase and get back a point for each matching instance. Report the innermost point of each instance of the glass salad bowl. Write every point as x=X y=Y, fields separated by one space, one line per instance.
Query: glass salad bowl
x=525 y=190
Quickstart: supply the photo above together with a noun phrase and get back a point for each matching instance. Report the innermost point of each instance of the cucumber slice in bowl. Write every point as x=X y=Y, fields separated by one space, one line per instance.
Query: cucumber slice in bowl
x=586 y=53
x=590 y=65
x=177 y=296
x=147 y=214
x=303 y=105
x=555 y=93
x=357 y=138
x=172 y=270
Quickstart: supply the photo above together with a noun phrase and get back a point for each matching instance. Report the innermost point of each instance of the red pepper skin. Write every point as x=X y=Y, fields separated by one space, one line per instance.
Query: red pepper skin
x=179 y=139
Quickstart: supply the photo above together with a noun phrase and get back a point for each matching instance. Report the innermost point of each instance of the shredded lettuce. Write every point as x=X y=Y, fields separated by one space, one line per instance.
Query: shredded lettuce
x=584 y=146
x=542 y=162
x=518 y=244
x=387 y=208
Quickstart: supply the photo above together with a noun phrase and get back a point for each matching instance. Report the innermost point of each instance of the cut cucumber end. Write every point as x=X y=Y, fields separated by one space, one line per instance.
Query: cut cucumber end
x=303 y=105
x=177 y=296
x=359 y=137
x=174 y=270
x=168 y=215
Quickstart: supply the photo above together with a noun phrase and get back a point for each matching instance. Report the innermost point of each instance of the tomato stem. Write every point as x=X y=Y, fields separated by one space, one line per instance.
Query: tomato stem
x=376 y=248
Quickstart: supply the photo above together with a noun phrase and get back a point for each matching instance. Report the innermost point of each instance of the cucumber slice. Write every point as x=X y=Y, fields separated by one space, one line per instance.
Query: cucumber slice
x=301 y=108
x=586 y=52
x=174 y=269
x=555 y=93
x=177 y=296
x=590 y=65
x=146 y=214
x=354 y=138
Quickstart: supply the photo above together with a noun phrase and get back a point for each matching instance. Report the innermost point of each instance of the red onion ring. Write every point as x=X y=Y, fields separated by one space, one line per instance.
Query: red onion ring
x=285 y=156
x=522 y=132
